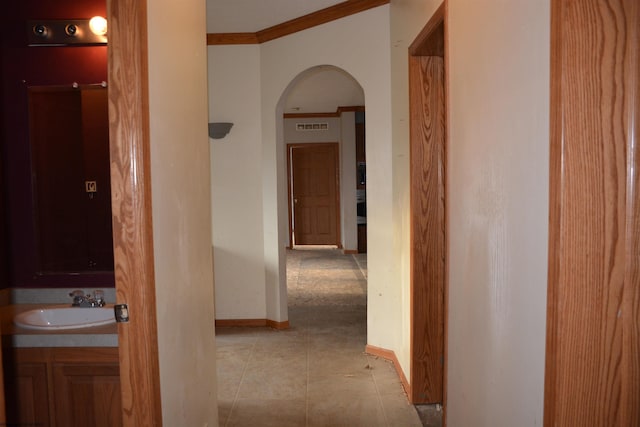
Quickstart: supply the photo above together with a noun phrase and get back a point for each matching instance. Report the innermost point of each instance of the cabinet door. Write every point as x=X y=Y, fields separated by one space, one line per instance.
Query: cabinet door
x=87 y=394
x=26 y=395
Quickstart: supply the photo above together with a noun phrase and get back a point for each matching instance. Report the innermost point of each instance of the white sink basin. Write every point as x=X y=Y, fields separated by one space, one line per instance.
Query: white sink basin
x=65 y=318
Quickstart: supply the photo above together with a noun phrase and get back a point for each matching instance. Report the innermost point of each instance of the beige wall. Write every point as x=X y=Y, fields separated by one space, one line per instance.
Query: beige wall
x=359 y=44
x=236 y=173
x=348 y=181
x=497 y=201
x=282 y=61
x=385 y=84
x=181 y=211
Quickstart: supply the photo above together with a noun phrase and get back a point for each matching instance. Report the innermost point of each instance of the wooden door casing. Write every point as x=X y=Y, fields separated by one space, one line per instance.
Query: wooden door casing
x=592 y=373
x=314 y=184
x=427 y=214
x=129 y=141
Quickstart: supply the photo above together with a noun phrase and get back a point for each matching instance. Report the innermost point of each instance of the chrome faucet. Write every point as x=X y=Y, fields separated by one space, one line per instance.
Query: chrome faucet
x=80 y=299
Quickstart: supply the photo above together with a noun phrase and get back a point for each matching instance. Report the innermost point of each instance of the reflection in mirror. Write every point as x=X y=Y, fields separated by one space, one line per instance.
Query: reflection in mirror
x=69 y=137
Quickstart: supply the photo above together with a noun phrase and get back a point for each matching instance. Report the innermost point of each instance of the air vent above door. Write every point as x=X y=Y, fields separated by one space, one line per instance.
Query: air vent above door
x=311 y=126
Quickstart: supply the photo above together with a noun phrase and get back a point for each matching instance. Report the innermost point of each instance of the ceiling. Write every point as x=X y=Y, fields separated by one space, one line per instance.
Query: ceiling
x=250 y=16
x=321 y=89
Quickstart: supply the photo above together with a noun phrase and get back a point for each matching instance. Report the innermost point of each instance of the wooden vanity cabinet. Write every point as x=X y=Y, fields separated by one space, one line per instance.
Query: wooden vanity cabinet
x=63 y=386
x=26 y=394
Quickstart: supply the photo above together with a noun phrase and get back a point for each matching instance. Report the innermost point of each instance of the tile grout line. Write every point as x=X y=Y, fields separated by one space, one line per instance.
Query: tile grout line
x=244 y=371
x=362 y=270
x=306 y=396
x=375 y=383
x=310 y=313
x=307 y=339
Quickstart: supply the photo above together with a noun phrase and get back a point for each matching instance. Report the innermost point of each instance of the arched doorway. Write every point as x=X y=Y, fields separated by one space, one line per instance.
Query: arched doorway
x=320 y=117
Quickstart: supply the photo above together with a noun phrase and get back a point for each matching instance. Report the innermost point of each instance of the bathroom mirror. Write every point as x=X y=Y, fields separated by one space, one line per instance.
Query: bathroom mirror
x=71 y=191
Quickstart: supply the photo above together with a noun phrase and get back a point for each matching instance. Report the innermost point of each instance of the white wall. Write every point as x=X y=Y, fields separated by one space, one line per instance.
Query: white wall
x=181 y=212
x=348 y=207
x=281 y=62
x=236 y=174
x=498 y=211
x=362 y=45
x=341 y=130
x=359 y=44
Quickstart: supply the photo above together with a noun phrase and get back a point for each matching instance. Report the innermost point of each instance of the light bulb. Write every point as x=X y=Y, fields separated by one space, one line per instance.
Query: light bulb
x=98 y=25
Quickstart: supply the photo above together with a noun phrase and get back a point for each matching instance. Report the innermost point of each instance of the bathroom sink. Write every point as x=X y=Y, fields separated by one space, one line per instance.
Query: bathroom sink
x=65 y=318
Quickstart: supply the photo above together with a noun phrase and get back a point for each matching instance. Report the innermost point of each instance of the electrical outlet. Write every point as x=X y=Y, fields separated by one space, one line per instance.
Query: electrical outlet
x=91 y=186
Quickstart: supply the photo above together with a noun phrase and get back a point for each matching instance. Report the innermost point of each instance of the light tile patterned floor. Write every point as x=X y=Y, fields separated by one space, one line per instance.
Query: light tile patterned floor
x=315 y=373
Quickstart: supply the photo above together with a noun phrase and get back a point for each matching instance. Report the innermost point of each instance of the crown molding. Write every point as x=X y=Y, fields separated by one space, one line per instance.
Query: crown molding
x=332 y=13
x=231 y=38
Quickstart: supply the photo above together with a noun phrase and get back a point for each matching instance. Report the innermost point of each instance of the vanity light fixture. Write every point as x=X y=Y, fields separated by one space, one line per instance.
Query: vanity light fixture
x=68 y=32
x=98 y=25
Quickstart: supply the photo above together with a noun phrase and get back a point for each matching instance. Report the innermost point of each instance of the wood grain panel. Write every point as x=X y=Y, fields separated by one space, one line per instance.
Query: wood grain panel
x=427 y=227
x=231 y=38
x=87 y=393
x=131 y=205
x=315 y=186
x=593 y=351
x=27 y=394
x=235 y=323
x=38 y=396
x=305 y=22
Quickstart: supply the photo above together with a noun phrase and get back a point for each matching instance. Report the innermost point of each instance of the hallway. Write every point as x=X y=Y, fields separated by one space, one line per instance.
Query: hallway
x=315 y=373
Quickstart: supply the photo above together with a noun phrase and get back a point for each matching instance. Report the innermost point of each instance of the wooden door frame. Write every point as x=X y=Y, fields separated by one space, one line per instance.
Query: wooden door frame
x=428 y=235
x=592 y=370
x=129 y=136
x=290 y=187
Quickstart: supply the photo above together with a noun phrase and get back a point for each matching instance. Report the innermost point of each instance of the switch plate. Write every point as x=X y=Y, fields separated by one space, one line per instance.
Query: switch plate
x=91 y=186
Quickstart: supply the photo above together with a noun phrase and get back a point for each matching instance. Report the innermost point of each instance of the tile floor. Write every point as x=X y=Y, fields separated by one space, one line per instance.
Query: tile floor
x=315 y=373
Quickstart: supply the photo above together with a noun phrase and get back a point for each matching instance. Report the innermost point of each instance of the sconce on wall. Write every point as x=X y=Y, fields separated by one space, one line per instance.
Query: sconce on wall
x=87 y=32
x=219 y=130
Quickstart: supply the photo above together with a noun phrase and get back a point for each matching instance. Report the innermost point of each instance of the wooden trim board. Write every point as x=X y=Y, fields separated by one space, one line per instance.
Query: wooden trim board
x=390 y=356
x=129 y=140
x=236 y=323
x=592 y=367
x=332 y=13
x=427 y=100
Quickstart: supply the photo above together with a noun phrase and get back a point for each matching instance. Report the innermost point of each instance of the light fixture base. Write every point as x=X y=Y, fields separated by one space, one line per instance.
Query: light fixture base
x=66 y=32
x=219 y=130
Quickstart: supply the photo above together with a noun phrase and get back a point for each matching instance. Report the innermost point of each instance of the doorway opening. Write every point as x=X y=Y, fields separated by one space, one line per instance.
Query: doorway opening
x=323 y=137
x=427 y=100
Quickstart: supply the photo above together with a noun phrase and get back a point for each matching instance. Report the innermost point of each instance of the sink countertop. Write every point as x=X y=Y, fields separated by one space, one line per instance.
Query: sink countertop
x=15 y=336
